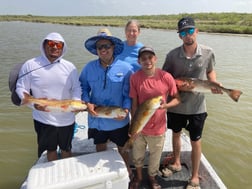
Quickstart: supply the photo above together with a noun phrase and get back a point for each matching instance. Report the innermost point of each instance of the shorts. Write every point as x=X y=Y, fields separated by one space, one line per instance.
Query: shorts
x=193 y=123
x=155 y=145
x=117 y=136
x=50 y=137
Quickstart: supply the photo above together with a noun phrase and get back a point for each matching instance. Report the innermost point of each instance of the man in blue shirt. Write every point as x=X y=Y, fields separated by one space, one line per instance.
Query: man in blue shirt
x=105 y=82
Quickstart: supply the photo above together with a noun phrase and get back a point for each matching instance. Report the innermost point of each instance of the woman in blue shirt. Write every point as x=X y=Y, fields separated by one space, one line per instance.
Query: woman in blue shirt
x=131 y=45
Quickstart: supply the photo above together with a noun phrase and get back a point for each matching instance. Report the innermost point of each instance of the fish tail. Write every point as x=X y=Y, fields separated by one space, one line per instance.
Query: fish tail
x=234 y=94
x=127 y=146
x=26 y=98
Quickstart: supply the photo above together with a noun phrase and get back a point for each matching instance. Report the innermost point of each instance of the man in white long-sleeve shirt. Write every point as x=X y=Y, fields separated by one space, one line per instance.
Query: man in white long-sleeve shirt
x=53 y=78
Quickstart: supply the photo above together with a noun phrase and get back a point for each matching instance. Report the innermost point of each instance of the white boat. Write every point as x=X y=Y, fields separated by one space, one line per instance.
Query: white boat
x=106 y=170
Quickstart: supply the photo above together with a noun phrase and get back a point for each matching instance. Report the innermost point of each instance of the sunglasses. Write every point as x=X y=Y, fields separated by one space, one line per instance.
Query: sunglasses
x=185 y=32
x=105 y=46
x=59 y=45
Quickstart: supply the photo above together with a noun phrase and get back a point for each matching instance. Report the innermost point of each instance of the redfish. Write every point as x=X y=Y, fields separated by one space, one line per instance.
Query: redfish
x=141 y=117
x=110 y=112
x=197 y=85
x=55 y=105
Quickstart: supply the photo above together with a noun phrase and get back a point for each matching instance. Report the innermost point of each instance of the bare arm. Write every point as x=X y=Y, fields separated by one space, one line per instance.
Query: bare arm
x=133 y=106
x=174 y=102
x=211 y=76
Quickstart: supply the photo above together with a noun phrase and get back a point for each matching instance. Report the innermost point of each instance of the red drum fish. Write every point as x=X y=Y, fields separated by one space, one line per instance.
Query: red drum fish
x=55 y=105
x=111 y=112
x=197 y=85
x=142 y=115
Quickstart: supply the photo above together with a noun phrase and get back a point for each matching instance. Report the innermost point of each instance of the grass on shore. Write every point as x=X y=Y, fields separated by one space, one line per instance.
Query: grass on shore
x=235 y=23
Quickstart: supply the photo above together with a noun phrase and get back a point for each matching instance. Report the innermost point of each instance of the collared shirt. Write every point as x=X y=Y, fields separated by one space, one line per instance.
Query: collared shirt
x=106 y=87
x=197 y=66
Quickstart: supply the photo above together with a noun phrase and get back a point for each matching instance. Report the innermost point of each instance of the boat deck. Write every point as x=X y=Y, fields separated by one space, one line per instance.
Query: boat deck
x=176 y=181
x=208 y=177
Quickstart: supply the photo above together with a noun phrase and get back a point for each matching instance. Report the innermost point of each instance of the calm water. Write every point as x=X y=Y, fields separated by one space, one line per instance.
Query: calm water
x=227 y=138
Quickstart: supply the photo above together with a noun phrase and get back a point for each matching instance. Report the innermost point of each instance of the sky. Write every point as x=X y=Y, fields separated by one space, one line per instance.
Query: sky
x=120 y=7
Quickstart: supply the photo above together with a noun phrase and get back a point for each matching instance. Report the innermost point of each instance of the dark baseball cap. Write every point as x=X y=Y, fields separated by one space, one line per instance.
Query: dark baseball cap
x=145 y=49
x=184 y=23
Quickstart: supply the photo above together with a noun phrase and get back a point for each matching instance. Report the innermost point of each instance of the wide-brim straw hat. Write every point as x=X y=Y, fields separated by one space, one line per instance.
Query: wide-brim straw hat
x=104 y=33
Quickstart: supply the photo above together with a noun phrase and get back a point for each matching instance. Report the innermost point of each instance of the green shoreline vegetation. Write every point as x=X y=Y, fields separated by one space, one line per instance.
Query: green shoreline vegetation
x=234 y=23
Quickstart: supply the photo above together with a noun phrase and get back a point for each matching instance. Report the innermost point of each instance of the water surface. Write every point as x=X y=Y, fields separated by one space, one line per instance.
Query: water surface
x=227 y=141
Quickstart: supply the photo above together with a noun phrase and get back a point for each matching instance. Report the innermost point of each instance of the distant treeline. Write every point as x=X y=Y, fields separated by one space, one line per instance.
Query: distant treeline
x=235 y=23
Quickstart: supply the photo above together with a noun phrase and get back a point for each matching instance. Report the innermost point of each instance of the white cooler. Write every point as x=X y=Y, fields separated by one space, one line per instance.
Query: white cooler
x=101 y=170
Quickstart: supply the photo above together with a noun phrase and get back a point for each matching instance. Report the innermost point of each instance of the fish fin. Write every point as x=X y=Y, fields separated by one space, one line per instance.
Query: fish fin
x=234 y=94
x=127 y=146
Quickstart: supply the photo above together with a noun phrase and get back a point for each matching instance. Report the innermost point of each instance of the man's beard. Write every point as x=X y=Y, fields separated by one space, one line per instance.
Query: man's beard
x=189 y=43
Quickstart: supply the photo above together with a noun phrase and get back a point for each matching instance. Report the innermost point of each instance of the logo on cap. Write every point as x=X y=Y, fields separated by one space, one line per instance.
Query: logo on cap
x=185 y=23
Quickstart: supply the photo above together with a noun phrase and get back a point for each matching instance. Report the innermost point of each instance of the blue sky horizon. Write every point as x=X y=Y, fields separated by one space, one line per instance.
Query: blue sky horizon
x=120 y=8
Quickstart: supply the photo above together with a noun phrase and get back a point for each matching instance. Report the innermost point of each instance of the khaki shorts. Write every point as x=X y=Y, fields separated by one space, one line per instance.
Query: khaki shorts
x=155 y=146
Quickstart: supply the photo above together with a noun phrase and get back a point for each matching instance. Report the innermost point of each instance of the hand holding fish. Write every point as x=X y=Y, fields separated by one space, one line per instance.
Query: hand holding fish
x=216 y=90
x=133 y=136
x=122 y=116
x=164 y=106
x=173 y=102
x=91 y=109
x=41 y=107
x=184 y=85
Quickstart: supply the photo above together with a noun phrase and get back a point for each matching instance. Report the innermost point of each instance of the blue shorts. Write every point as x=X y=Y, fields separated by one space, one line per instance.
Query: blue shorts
x=117 y=136
x=193 y=123
x=50 y=137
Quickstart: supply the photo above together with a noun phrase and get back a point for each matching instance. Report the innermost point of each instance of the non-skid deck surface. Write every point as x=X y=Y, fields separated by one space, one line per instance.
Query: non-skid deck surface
x=176 y=181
